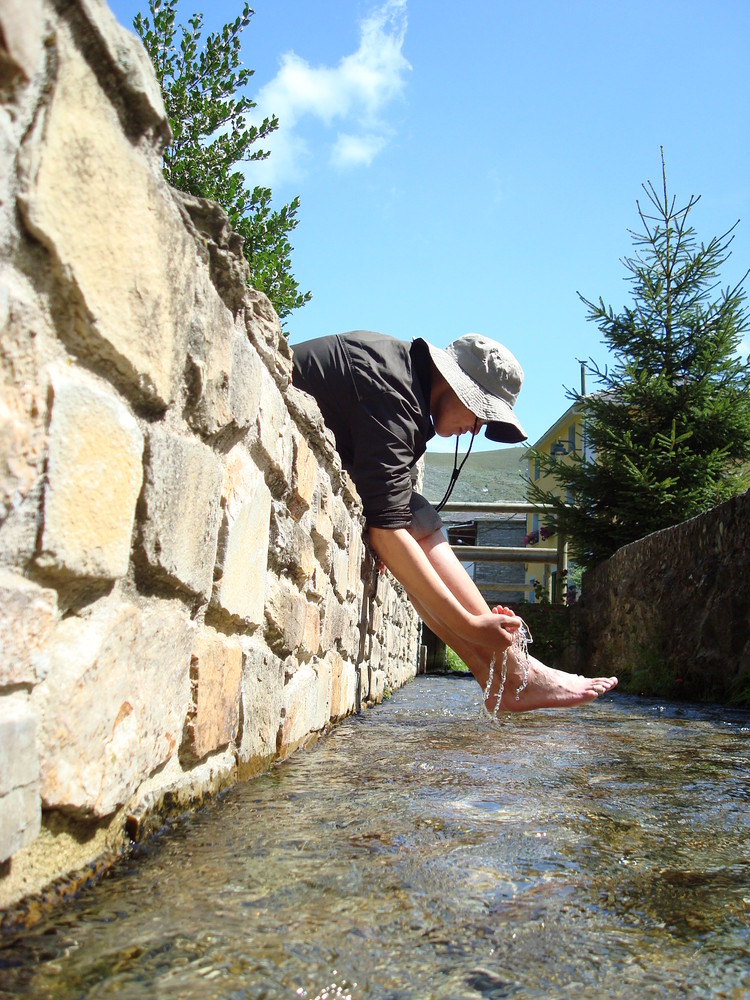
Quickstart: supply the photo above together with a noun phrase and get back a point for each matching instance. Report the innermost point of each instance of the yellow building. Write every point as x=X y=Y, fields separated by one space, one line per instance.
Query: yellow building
x=564 y=438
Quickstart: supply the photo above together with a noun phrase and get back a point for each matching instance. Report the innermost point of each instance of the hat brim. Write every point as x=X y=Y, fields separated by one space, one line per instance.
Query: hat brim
x=505 y=433
x=501 y=422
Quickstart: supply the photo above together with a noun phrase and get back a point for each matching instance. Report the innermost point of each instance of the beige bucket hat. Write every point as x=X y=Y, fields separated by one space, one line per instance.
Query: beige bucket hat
x=487 y=379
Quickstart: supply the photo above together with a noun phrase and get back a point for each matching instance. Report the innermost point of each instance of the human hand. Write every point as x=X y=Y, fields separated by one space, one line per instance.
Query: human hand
x=513 y=622
x=497 y=630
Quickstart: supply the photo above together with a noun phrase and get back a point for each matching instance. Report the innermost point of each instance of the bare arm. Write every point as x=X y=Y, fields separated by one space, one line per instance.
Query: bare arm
x=406 y=559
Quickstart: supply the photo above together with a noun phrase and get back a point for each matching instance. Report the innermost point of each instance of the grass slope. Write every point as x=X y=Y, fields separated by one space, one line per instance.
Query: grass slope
x=488 y=476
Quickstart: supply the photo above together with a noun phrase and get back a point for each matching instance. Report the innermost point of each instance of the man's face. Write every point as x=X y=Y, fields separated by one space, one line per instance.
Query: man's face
x=452 y=417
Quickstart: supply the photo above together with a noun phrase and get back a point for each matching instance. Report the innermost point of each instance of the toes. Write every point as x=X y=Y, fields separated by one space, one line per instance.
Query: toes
x=602 y=684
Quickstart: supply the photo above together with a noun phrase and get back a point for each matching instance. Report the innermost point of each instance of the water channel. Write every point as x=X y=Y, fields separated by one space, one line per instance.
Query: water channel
x=420 y=851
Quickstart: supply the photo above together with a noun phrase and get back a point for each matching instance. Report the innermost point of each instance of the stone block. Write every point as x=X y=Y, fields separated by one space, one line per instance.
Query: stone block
x=382 y=588
x=283 y=366
x=273 y=421
x=348 y=694
x=310 y=642
x=340 y=574
x=304 y=476
x=20 y=805
x=20 y=820
x=324 y=692
x=300 y=709
x=242 y=558
x=376 y=622
x=392 y=636
x=8 y=148
x=21 y=37
x=182 y=510
x=27 y=616
x=349 y=494
x=343 y=685
x=336 y=666
x=216 y=680
x=210 y=358
x=356 y=559
x=351 y=629
x=19 y=763
x=25 y=334
x=334 y=621
x=304 y=553
x=245 y=382
x=262 y=697
x=341 y=521
x=94 y=475
x=292 y=548
x=361 y=594
x=364 y=682
x=262 y=325
x=309 y=420
x=317 y=585
x=377 y=685
x=322 y=521
x=114 y=703
x=322 y=535
x=286 y=611
x=126 y=279
x=123 y=53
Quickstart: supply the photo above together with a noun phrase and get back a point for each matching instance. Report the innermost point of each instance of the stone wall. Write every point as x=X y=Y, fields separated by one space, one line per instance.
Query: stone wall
x=185 y=594
x=670 y=613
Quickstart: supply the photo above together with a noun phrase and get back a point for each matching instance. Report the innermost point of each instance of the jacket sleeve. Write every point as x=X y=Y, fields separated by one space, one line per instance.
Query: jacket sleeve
x=383 y=456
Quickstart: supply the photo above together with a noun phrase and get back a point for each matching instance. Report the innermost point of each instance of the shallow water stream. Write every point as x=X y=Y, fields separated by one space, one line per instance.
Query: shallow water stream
x=419 y=851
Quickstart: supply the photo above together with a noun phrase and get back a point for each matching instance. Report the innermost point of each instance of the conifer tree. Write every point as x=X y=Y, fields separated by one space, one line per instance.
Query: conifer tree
x=203 y=89
x=667 y=436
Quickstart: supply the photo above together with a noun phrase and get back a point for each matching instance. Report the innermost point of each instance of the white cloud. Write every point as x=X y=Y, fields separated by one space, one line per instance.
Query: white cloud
x=356 y=150
x=354 y=95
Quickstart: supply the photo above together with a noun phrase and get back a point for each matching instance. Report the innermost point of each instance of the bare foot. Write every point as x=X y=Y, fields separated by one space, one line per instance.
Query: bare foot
x=544 y=688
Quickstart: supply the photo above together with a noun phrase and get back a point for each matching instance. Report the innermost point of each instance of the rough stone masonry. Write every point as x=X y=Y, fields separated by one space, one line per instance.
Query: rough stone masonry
x=185 y=594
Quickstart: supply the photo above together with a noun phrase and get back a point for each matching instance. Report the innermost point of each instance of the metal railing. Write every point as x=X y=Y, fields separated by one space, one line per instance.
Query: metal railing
x=547 y=556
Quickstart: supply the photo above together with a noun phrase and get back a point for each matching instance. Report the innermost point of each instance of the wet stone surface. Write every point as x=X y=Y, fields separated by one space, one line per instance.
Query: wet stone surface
x=422 y=851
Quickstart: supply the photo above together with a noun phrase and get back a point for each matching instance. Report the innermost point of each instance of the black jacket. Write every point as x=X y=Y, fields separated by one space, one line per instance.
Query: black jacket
x=374 y=394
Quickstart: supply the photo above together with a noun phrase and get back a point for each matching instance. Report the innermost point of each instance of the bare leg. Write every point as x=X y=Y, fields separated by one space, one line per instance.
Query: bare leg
x=546 y=687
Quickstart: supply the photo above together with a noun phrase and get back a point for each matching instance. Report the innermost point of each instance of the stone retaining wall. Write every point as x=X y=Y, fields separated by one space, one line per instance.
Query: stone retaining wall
x=184 y=590
x=670 y=613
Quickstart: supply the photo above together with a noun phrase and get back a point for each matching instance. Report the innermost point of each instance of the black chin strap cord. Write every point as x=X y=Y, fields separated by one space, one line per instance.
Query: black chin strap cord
x=457 y=468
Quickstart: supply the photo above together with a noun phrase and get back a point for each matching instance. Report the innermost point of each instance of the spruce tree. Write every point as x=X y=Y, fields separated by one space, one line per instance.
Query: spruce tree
x=203 y=89
x=667 y=434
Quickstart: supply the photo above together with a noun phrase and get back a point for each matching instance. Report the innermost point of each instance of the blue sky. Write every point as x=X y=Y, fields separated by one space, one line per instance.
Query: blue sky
x=471 y=166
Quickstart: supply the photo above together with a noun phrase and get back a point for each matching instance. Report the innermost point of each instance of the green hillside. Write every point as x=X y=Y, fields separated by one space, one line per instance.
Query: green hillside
x=487 y=477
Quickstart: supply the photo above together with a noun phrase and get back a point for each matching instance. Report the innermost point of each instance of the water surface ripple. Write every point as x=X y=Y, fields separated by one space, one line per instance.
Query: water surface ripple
x=419 y=851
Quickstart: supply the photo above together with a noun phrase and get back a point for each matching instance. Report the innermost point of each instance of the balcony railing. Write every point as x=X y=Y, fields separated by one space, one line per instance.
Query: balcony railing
x=547 y=556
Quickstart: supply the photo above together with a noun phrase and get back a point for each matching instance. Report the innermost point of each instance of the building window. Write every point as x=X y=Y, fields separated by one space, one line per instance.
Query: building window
x=463 y=534
x=536 y=469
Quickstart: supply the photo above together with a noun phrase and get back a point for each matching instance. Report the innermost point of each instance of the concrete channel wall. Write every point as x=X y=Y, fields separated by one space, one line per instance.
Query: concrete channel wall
x=185 y=595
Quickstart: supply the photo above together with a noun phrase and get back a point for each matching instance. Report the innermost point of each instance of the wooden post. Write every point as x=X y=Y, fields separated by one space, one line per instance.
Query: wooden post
x=436 y=661
x=562 y=567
